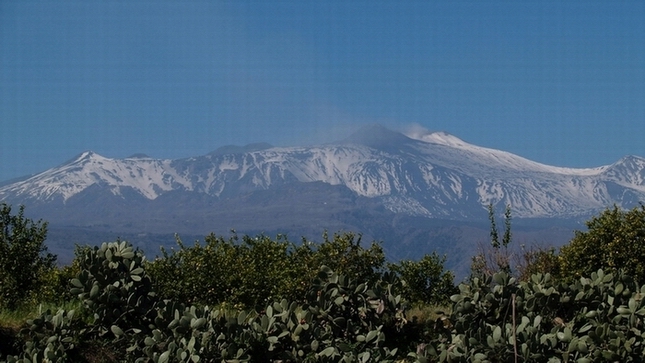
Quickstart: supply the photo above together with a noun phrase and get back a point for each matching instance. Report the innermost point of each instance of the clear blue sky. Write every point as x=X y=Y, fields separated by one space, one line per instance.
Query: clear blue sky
x=559 y=82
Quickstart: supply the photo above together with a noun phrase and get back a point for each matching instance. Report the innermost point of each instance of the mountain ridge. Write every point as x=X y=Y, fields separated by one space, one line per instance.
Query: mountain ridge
x=416 y=174
x=418 y=193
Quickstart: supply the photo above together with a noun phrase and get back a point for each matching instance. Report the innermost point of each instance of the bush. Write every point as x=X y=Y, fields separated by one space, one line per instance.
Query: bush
x=497 y=319
x=223 y=271
x=614 y=239
x=537 y=260
x=257 y=270
x=24 y=261
x=520 y=262
x=341 y=319
x=425 y=282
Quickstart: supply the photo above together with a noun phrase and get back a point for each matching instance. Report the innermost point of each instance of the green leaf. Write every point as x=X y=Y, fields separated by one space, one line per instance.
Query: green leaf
x=371 y=335
x=585 y=328
x=197 y=323
x=116 y=330
x=75 y=291
x=94 y=291
x=241 y=317
x=591 y=314
x=641 y=312
x=623 y=310
x=327 y=352
x=163 y=358
x=497 y=334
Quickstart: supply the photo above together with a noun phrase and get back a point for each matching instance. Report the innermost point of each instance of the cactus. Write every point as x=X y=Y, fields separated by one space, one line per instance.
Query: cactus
x=497 y=319
x=114 y=287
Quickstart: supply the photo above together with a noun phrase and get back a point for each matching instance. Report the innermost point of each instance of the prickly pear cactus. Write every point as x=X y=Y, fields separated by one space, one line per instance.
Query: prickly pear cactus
x=497 y=319
x=114 y=287
x=50 y=338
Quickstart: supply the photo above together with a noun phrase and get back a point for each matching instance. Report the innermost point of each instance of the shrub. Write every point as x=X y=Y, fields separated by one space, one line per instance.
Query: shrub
x=254 y=271
x=24 y=260
x=340 y=319
x=497 y=319
x=425 y=282
x=614 y=239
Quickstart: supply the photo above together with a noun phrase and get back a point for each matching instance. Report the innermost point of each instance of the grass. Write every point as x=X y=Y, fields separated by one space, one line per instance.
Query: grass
x=16 y=319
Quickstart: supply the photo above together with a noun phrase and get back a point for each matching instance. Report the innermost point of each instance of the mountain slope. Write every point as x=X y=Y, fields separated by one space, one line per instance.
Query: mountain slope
x=433 y=175
x=418 y=193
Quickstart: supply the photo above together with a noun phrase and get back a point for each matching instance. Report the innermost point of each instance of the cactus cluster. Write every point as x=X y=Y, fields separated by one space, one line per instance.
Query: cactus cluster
x=341 y=319
x=497 y=319
x=51 y=338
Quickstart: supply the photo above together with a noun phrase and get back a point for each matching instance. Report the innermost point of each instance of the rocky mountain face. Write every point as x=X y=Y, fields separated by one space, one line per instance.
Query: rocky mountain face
x=377 y=182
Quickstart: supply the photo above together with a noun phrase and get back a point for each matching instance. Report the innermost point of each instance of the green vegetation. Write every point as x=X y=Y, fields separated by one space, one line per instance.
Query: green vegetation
x=258 y=299
x=24 y=261
x=615 y=239
x=425 y=282
x=339 y=318
x=497 y=319
x=257 y=270
x=520 y=263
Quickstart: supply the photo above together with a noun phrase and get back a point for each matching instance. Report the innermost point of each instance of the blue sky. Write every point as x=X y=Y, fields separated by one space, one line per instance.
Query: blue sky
x=559 y=82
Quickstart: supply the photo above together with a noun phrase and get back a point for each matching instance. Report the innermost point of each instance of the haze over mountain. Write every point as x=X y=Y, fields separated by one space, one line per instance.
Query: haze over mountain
x=416 y=192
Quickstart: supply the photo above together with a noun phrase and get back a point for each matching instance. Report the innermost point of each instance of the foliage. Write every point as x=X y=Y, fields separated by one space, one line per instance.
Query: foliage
x=341 y=319
x=24 y=260
x=425 y=282
x=257 y=270
x=498 y=256
x=518 y=261
x=114 y=287
x=537 y=260
x=614 y=239
x=55 y=287
x=50 y=338
x=497 y=319
x=345 y=254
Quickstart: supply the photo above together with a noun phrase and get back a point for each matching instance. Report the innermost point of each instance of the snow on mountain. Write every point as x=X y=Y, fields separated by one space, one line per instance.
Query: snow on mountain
x=147 y=176
x=492 y=157
x=424 y=174
x=628 y=171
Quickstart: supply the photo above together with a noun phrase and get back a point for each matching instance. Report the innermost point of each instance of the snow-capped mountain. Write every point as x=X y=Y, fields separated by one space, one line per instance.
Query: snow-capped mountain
x=418 y=193
x=434 y=175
